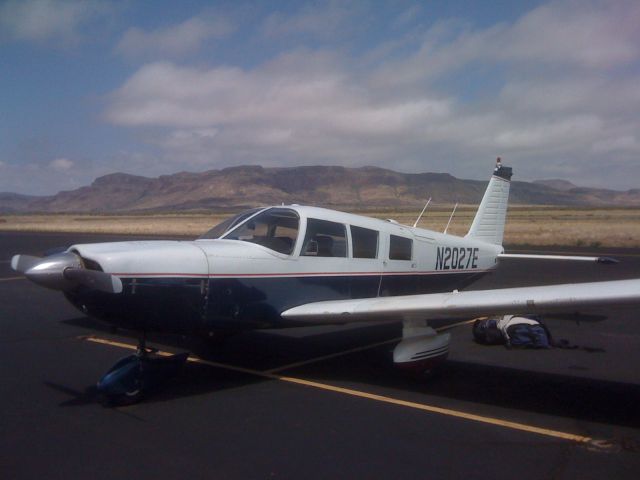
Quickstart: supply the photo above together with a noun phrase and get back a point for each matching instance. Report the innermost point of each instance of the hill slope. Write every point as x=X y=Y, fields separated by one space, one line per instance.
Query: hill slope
x=331 y=186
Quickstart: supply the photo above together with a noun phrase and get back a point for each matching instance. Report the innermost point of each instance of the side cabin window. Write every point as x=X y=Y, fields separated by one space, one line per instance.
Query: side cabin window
x=324 y=239
x=365 y=242
x=400 y=248
x=275 y=228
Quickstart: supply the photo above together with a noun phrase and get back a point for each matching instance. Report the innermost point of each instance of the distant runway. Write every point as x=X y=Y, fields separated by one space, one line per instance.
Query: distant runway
x=322 y=402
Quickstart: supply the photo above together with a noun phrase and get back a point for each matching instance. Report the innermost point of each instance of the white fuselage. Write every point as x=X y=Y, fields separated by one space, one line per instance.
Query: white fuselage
x=245 y=283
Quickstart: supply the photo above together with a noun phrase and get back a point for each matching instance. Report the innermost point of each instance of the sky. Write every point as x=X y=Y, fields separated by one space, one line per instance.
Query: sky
x=89 y=88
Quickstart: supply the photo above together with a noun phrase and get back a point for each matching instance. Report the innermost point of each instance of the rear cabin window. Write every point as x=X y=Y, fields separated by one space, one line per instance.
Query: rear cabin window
x=275 y=228
x=400 y=248
x=324 y=239
x=364 y=241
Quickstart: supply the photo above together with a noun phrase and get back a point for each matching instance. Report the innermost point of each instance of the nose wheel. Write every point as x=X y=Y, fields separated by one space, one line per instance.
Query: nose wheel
x=134 y=376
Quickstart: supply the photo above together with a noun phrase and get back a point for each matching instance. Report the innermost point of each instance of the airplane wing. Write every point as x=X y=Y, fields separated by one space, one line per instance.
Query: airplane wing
x=571 y=258
x=565 y=298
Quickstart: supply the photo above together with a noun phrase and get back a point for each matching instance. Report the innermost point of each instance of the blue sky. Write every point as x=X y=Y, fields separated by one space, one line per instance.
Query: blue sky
x=151 y=88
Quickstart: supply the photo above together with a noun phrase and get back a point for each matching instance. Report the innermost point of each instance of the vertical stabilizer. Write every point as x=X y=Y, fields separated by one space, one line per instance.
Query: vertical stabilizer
x=488 y=224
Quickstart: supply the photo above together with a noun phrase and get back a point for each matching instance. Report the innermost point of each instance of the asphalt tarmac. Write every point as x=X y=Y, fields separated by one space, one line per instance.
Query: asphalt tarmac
x=319 y=402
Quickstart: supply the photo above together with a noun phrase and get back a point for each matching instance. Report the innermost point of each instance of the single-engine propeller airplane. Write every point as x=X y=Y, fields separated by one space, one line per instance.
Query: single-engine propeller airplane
x=285 y=266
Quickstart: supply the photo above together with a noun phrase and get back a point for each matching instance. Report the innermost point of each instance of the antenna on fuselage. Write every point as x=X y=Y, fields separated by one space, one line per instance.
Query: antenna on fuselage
x=450 y=218
x=421 y=213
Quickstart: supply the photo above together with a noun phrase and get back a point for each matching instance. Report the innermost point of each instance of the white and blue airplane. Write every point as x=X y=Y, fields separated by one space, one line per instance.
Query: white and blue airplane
x=287 y=266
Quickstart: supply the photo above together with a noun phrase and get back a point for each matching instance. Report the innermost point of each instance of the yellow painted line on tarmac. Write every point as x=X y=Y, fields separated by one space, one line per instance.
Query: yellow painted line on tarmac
x=443 y=411
x=191 y=358
x=113 y=343
x=458 y=324
x=11 y=279
x=379 y=398
x=332 y=355
x=356 y=349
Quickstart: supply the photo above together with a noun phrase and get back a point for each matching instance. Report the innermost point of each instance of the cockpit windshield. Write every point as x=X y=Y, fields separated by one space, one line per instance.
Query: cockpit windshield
x=274 y=228
x=228 y=224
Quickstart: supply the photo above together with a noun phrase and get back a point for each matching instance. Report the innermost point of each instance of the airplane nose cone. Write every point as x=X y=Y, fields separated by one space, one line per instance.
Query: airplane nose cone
x=64 y=271
x=49 y=271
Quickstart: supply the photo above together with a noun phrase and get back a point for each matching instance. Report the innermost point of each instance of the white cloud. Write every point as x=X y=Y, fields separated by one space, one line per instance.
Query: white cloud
x=178 y=39
x=593 y=36
x=323 y=20
x=544 y=135
x=629 y=143
x=408 y=16
x=58 y=21
x=61 y=164
x=281 y=104
x=33 y=179
x=565 y=89
x=588 y=34
x=45 y=178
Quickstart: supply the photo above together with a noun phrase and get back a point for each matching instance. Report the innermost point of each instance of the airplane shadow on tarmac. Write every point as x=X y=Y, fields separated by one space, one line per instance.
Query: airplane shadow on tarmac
x=516 y=389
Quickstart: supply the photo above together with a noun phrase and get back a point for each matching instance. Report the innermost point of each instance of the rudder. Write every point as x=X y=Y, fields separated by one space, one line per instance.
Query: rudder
x=488 y=224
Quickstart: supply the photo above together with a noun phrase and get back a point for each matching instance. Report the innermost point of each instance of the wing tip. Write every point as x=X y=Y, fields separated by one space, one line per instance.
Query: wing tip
x=607 y=260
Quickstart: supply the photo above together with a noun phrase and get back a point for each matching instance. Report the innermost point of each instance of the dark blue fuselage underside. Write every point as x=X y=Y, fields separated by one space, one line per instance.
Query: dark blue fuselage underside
x=194 y=305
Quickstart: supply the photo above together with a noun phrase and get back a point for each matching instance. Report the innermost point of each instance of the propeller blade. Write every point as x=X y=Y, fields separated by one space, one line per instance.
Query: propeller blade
x=102 y=281
x=22 y=263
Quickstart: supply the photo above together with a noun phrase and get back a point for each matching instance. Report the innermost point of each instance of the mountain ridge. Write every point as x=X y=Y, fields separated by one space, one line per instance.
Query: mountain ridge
x=330 y=186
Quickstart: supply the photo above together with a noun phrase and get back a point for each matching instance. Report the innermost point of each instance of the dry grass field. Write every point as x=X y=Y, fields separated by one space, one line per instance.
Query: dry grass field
x=546 y=226
x=526 y=225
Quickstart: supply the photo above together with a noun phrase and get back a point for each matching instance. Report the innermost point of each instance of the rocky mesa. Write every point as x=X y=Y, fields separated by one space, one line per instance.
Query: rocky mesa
x=330 y=186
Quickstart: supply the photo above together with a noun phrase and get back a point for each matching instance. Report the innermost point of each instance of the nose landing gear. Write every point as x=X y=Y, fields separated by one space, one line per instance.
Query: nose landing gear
x=135 y=375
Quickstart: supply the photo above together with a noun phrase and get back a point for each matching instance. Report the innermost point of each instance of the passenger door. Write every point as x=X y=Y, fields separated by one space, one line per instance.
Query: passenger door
x=399 y=265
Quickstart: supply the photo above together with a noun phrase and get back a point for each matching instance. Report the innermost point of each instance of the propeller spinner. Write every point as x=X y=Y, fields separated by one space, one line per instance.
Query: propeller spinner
x=64 y=271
